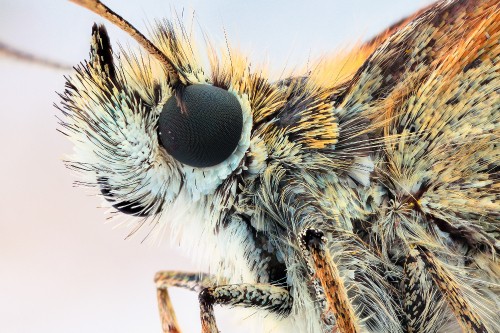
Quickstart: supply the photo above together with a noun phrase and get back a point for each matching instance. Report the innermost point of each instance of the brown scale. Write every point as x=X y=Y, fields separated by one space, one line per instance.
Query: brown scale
x=422 y=100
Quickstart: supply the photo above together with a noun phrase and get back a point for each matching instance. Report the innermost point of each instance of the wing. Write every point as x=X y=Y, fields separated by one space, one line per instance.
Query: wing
x=338 y=71
x=435 y=84
x=432 y=93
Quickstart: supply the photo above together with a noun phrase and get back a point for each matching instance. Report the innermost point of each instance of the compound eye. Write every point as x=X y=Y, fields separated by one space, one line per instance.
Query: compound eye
x=207 y=131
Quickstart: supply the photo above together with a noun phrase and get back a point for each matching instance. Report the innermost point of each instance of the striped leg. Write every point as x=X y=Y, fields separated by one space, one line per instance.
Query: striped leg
x=314 y=247
x=262 y=296
x=164 y=280
x=466 y=316
x=417 y=291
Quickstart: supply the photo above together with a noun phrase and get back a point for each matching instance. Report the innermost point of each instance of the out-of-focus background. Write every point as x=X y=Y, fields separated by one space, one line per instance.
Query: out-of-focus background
x=62 y=268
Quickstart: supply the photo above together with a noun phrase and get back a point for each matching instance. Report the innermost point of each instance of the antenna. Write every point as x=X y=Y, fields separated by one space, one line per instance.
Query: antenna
x=102 y=10
x=21 y=55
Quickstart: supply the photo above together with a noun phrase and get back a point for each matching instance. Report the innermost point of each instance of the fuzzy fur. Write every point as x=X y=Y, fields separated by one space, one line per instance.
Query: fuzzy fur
x=399 y=151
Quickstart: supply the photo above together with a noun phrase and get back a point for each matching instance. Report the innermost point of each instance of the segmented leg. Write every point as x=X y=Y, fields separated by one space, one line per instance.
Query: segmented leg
x=417 y=291
x=313 y=242
x=467 y=318
x=192 y=281
x=262 y=296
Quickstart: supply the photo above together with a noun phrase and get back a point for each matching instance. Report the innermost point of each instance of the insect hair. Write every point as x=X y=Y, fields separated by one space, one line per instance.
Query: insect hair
x=359 y=199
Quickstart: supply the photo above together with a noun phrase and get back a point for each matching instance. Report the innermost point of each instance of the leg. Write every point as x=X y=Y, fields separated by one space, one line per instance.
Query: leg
x=313 y=243
x=262 y=296
x=167 y=315
x=466 y=316
x=418 y=293
x=165 y=279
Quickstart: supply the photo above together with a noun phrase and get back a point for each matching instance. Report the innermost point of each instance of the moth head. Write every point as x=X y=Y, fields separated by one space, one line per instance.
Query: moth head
x=150 y=128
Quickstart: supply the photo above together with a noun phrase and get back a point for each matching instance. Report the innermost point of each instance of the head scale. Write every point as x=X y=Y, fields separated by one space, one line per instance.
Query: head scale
x=199 y=125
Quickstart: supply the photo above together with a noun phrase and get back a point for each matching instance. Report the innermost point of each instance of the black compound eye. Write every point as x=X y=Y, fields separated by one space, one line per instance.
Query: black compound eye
x=207 y=132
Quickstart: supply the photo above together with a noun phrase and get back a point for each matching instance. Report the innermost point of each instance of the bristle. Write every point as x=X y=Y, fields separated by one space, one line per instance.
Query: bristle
x=387 y=148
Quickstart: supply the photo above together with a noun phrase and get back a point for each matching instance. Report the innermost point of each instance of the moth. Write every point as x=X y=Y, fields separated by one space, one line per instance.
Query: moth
x=361 y=196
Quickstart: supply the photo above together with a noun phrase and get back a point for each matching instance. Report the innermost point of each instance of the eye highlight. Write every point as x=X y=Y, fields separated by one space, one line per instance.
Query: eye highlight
x=206 y=131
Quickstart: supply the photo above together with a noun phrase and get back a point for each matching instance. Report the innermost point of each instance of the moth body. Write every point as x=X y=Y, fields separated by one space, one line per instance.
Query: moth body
x=394 y=159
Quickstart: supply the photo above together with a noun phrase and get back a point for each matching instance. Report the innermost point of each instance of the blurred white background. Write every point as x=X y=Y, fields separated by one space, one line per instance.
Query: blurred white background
x=62 y=269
